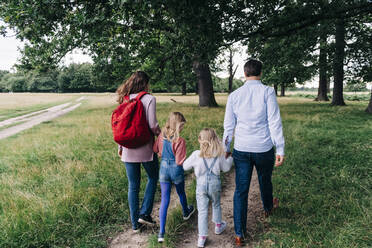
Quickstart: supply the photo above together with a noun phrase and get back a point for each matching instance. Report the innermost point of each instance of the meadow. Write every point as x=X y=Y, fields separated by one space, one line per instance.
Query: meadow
x=63 y=185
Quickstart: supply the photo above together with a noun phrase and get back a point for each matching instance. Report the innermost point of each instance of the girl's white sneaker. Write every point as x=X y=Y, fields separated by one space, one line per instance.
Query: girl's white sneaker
x=219 y=230
x=161 y=238
x=201 y=241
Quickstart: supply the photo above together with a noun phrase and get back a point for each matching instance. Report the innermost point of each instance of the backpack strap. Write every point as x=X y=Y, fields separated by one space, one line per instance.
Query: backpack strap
x=140 y=95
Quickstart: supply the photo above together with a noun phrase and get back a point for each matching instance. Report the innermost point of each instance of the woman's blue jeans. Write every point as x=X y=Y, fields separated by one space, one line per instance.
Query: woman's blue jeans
x=244 y=162
x=134 y=179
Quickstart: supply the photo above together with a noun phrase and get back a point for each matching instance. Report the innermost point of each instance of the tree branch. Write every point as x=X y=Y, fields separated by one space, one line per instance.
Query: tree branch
x=303 y=23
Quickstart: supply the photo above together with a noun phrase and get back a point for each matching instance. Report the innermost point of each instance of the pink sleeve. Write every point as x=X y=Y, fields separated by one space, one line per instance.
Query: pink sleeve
x=158 y=145
x=151 y=117
x=155 y=148
x=179 y=150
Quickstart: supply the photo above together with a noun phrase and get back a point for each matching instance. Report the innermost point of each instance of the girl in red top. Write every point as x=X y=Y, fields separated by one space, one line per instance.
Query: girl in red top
x=172 y=149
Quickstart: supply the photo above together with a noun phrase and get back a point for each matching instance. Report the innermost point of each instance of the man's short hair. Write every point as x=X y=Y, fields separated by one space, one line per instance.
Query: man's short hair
x=252 y=68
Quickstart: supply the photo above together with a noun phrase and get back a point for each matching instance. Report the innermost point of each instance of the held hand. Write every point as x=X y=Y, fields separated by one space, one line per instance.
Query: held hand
x=279 y=160
x=227 y=154
x=120 y=152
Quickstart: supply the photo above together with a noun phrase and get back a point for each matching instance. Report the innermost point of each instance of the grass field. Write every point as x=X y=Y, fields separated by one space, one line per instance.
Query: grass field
x=62 y=184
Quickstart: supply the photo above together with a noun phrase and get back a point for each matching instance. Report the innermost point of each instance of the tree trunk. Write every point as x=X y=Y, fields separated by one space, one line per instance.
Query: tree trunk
x=338 y=64
x=328 y=85
x=197 y=88
x=282 y=90
x=184 y=88
x=322 y=89
x=369 y=108
x=205 y=85
x=276 y=89
x=230 y=84
x=230 y=70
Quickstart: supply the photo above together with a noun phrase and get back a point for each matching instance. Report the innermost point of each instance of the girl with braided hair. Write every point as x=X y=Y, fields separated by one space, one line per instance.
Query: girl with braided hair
x=208 y=162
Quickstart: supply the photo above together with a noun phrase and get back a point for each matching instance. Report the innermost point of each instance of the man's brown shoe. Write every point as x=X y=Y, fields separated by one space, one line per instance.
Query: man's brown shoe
x=239 y=241
x=275 y=206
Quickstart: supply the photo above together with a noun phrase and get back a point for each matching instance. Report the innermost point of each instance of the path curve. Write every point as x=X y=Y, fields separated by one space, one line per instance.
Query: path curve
x=32 y=119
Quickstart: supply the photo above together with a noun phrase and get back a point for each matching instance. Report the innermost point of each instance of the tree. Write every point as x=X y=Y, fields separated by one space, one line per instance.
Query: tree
x=369 y=107
x=76 y=78
x=338 y=63
x=2 y=85
x=231 y=69
x=42 y=82
x=323 y=63
x=14 y=82
x=286 y=60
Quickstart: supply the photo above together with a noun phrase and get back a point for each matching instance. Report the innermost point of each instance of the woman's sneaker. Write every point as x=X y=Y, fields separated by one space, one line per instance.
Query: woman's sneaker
x=146 y=219
x=191 y=210
x=201 y=241
x=139 y=227
x=160 y=238
x=219 y=229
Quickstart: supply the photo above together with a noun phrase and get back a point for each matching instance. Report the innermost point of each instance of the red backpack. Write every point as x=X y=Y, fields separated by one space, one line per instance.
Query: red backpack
x=129 y=124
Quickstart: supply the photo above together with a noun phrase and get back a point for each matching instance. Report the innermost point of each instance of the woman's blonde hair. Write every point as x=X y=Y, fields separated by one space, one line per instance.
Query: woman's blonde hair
x=134 y=84
x=210 y=144
x=171 y=130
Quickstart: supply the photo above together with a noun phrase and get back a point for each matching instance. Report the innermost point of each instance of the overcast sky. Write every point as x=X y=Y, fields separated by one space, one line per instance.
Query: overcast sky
x=9 y=53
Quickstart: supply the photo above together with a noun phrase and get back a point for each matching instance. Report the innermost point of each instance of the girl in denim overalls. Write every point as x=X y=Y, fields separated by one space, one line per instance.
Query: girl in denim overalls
x=207 y=163
x=172 y=150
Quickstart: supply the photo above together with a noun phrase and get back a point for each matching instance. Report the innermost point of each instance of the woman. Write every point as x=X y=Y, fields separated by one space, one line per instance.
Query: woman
x=133 y=158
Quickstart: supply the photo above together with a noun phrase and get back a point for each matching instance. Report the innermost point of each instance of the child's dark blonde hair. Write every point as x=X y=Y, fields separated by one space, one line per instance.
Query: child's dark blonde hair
x=172 y=128
x=210 y=144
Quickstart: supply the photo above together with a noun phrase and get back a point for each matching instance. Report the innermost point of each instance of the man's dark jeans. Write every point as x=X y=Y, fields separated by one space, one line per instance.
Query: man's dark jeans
x=244 y=162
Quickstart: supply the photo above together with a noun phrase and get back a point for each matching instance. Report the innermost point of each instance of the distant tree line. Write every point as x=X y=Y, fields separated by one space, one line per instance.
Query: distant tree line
x=86 y=77
x=74 y=78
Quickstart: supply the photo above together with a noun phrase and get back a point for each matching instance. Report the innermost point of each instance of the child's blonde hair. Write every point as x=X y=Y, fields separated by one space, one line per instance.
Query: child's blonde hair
x=171 y=130
x=210 y=144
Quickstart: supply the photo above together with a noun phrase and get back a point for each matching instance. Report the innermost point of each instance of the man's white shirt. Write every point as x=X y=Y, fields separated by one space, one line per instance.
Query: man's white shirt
x=252 y=115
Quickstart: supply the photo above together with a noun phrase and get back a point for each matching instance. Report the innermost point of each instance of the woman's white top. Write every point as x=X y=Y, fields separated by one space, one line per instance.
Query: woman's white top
x=196 y=162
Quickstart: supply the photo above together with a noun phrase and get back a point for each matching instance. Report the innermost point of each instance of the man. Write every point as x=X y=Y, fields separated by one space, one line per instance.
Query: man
x=253 y=113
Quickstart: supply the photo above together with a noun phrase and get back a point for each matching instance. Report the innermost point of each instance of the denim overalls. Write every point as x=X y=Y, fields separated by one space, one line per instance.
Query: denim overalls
x=208 y=187
x=169 y=172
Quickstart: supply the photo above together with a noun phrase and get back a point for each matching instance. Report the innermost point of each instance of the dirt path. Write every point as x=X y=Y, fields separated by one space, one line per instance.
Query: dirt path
x=225 y=240
x=127 y=238
x=32 y=119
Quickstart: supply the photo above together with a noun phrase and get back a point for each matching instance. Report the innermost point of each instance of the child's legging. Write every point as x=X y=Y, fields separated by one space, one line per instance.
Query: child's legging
x=165 y=198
